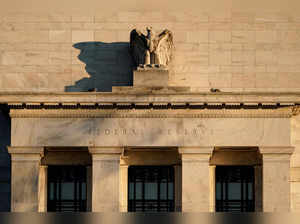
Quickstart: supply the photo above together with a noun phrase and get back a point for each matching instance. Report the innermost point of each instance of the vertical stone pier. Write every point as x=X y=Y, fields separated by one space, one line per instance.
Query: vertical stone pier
x=106 y=177
x=25 y=167
x=196 y=179
x=212 y=184
x=276 y=178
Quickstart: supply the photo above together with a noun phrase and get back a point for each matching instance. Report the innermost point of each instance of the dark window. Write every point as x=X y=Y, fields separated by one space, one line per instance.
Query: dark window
x=235 y=189
x=151 y=189
x=67 y=190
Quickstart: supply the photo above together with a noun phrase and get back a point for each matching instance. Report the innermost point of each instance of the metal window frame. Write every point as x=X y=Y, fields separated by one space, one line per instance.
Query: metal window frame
x=55 y=177
x=159 y=205
x=246 y=176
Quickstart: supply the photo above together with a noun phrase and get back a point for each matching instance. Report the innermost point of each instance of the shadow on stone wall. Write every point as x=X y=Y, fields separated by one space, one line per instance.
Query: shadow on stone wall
x=108 y=64
x=5 y=140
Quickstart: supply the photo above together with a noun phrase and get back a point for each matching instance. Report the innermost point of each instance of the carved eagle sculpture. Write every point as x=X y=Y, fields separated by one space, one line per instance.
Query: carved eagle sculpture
x=151 y=49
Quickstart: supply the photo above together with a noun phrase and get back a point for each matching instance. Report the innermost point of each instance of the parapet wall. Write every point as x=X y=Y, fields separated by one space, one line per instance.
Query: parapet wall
x=230 y=51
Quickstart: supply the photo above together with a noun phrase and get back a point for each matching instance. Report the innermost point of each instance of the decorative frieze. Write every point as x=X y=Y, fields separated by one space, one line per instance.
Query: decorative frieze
x=151 y=113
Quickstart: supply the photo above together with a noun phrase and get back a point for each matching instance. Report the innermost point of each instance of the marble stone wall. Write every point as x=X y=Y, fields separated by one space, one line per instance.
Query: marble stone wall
x=230 y=50
x=4 y=162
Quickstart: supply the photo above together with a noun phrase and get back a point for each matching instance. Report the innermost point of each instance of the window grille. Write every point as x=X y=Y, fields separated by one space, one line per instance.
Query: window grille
x=235 y=189
x=67 y=189
x=151 y=189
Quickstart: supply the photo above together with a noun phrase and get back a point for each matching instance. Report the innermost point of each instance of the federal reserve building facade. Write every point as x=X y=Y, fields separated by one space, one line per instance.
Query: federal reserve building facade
x=149 y=111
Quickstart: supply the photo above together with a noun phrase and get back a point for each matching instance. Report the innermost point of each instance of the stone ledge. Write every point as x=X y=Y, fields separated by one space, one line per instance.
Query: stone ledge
x=150 y=90
x=171 y=94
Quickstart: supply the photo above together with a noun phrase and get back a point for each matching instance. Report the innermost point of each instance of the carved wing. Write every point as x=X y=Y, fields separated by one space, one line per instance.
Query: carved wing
x=138 y=46
x=165 y=47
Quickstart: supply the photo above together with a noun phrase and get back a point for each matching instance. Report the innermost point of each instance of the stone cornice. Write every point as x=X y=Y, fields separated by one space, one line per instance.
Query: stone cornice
x=154 y=97
x=150 y=113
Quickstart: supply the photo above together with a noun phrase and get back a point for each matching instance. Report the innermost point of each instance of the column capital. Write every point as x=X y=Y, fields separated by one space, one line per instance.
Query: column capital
x=276 y=149
x=26 y=153
x=196 y=150
x=106 y=150
x=195 y=154
x=106 y=153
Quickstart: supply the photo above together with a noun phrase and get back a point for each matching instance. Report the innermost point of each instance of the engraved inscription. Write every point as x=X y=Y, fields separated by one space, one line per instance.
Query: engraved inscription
x=142 y=132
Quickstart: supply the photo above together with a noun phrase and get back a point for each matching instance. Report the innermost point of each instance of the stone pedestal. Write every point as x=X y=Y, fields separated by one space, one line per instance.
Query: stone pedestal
x=25 y=165
x=106 y=169
x=196 y=184
x=150 y=77
x=276 y=178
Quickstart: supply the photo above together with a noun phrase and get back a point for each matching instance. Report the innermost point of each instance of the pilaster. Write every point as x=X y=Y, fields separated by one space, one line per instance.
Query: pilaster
x=276 y=176
x=106 y=174
x=123 y=188
x=25 y=168
x=43 y=189
x=196 y=184
x=212 y=184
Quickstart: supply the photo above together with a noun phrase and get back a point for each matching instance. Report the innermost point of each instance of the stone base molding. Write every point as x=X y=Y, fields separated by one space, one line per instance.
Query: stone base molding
x=25 y=169
x=276 y=178
x=106 y=175
x=196 y=180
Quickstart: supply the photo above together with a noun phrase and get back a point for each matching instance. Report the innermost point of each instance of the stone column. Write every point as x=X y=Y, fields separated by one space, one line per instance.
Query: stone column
x=123 y=188
x=106 y=169
x=276 y=176
x=212 y=184
x=43 y=189
x=196 y=179
x=25 y=165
